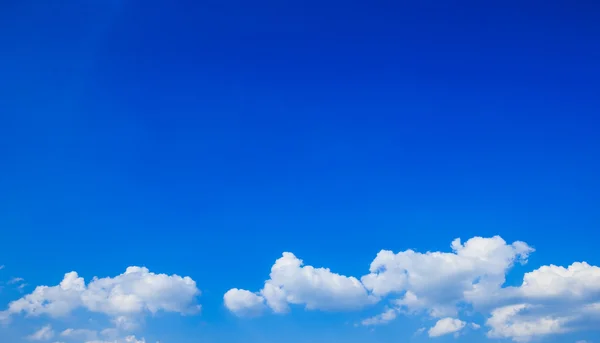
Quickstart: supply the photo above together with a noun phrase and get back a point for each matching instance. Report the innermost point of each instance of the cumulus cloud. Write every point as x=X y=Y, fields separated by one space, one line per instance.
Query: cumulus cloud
x=291 y=282
x=243 y=302
x=513 y=322
x=431 y=281
x=579 y=281
x=550 y=300
x=446 y=326
x=437 y=281
x=43 y=334
x=134 y=292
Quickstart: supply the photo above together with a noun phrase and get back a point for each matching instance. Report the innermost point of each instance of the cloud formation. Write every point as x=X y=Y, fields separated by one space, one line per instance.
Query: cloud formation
x=134 y=292
x=551 y=299
x=446 y=326
x=291 y=282
x=437 y=281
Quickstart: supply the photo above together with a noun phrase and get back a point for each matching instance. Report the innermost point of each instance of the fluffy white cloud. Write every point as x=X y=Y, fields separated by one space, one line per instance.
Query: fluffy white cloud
x=578 y=281
x=136 y=291
x=291 y=282
x=431 y=281
x=243 y=302
x=446 y=326
x=43 y=334
x=438 y=281
x=551 y=299
x=512 y=322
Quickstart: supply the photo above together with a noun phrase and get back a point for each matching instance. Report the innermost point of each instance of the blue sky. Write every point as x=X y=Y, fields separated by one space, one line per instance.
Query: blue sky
x=205 y=139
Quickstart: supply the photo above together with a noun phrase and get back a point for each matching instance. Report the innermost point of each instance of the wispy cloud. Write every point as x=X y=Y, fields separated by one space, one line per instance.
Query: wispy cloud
x=43 y=334
x=15 y=280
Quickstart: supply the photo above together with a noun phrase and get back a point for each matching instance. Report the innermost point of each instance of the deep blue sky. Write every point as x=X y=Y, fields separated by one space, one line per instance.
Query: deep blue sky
x=204 y=138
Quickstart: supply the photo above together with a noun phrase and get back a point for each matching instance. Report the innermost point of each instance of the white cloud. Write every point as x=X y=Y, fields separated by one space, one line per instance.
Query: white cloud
x=446 y=326
x=43 y=334
x=291 y=282
x=578 y=281
x=511 y=322
x=15 y=280
x=1 y=267
x=244 y=303
x=383 y=318
x=437 y=281
x=551 y=300
x=134 y=292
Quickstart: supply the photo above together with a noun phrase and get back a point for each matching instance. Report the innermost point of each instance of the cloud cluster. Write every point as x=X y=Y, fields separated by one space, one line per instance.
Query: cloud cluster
x=437 y=281
x=292 y=282
x=132 y=293
x=550 y=300
x=444 y=286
